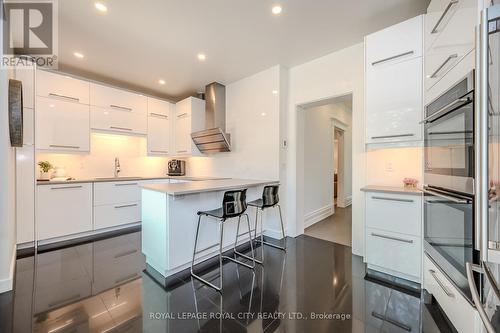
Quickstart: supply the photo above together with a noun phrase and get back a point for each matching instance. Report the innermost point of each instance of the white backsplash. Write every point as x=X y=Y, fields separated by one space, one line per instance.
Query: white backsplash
x=131 y=150
x=391 y=165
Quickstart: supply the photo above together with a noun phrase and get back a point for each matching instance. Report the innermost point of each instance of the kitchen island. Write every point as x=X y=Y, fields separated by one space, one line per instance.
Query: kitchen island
x=169 y=221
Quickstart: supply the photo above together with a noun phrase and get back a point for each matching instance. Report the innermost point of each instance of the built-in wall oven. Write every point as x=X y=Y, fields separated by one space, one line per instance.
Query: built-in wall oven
x=449 y=227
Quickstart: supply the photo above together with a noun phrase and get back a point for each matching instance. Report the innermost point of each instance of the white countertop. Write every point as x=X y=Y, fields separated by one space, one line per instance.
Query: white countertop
x=391 y=189
x=206 y=186
x=121 y=179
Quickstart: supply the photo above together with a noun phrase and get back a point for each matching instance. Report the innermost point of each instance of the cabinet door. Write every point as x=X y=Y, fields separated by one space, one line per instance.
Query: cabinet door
x=63 y=210
x=62 y=126
x=117 y=99
x=106 y=119
x=394 y=102
x=182 y=133
x=62 y=87
x=453 y=40
x=158 y=107
x=158 y=135
x=398 y=42
x=25 y=187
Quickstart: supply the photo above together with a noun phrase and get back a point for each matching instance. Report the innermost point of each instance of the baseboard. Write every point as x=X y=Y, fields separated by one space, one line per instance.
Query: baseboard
x=8 y=284
x=347 y=202
x=318 y=215
x=276 y=234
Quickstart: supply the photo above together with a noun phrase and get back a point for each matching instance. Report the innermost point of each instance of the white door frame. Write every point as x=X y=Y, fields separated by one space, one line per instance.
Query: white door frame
x=342 y=127
x=297 y=192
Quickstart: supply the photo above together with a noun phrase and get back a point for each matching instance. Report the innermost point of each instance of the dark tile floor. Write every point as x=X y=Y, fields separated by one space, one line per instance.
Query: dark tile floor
x=317 y=286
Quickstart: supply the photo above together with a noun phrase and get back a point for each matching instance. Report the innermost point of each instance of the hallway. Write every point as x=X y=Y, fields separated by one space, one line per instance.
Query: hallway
x=336 y=228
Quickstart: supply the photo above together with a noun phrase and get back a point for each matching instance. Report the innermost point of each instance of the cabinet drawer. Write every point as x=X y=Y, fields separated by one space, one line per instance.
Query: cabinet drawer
x=117 y=99
x=63 y=210
x=157 y=107
x=394 y=102
x=395 y=43
x=62 y=126
x=62 y=87
x=399 y=213
x=457 y=308
x=106 y=119
x=106 y=216
x=109 y=193
x=395 y=252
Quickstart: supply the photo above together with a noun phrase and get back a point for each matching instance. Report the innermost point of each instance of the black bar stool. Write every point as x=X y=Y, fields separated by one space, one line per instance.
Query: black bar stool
x=270 y=199
x=233 y=205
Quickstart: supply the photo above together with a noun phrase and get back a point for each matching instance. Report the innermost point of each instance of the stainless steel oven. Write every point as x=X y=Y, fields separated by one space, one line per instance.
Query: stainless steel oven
x=449 y=139
x=449 y=234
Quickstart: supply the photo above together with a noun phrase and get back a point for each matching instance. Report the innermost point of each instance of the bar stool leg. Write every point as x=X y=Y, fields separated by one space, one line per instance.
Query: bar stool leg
x=249 y=240
x=283 y=248
x=282 y=228
x=199 y=278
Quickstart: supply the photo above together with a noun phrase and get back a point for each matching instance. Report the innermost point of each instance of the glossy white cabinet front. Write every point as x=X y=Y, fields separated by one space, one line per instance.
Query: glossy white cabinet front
x=63 y=210
x=62 y=126
x=189 y=117
x=159 y=127
x=394 y=101
x=394 y=67
x=119 y=121
x=117 y=99
x=62 y=87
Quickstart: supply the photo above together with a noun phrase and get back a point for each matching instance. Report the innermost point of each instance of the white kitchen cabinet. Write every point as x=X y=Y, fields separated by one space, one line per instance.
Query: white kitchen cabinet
x=63 y=209
x=395 y=43
x=159 y=127
x=116 y=204
x=117 y=99
x=394 y=102
x=394 y=96
x=458 y=310
x=61 y=87
x=189 y=117
x=62 y=126
x=117 y=121
x=25 y=196
x=449 y=36
x=393 y=233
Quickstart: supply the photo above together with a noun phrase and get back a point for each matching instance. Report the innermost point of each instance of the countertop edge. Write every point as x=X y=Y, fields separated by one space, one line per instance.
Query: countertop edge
x=389 y=189
x=150 y=187
x=124 y=179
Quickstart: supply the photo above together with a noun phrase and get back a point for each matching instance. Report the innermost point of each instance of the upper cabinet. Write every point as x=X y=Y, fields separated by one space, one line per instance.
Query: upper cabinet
x=116 y=99
x=189 y=117
x=62 y=87
x=449 y=38
x=394 y=67
x=159 y=127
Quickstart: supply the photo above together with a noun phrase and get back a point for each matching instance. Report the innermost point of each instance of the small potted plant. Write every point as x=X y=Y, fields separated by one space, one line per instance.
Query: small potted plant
x=45 y=167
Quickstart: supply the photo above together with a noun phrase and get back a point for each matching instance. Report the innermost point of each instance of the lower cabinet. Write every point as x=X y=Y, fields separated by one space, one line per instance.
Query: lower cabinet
x=393 y=234
x=63 y=210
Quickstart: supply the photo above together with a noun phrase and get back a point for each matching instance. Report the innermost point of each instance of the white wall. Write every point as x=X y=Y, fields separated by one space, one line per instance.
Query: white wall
x=336 y=74
x=388 y=167
x=131 y=150
x=319 y=160
x=254 y=107
x=7 y=189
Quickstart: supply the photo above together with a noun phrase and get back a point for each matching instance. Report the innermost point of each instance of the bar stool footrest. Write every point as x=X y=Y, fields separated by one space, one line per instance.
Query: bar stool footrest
x=249 y=258
x=272 y=245
x=239 y=262
x=199 y=278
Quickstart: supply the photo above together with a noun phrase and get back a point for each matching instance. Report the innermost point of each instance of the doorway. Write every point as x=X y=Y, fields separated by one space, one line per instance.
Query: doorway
x=326 y=130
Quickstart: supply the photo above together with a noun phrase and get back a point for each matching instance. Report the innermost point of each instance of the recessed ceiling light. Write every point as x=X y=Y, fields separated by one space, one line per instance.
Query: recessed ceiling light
x=277 y=10
x=78 y=55
x=263 y=114
x=275 y=92
x=101 y=7
x=202 y=57
x=161 y=81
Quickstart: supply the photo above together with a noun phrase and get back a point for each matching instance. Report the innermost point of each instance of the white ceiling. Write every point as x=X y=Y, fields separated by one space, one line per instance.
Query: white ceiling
x=138 y=42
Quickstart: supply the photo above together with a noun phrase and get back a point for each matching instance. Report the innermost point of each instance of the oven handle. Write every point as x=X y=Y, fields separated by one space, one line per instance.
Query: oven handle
x=447 y=197
x=445 y=109
x=475 y=297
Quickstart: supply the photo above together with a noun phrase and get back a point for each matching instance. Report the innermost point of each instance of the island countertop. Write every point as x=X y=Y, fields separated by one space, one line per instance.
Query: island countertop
x=206 y=186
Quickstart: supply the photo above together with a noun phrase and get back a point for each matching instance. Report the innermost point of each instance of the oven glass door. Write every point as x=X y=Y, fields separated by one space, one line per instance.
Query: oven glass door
x=449 y=150
x=449 y=233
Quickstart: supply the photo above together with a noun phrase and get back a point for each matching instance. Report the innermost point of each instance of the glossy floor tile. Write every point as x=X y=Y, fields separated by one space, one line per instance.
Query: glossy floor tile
x=316 y=286
x=336 y=228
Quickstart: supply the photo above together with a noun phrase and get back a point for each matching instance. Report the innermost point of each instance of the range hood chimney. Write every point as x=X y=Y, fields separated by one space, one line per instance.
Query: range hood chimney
x=213 y=138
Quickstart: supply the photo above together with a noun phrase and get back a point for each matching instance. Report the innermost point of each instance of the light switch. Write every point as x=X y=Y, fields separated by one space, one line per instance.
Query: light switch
x=389 y=166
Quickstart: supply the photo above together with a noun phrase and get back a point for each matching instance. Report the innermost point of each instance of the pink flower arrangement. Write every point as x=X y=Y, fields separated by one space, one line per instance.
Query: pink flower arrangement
x=410 y=182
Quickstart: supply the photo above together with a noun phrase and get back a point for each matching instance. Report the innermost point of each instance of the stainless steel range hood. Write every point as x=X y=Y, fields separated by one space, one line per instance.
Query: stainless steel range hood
x=214 y=139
